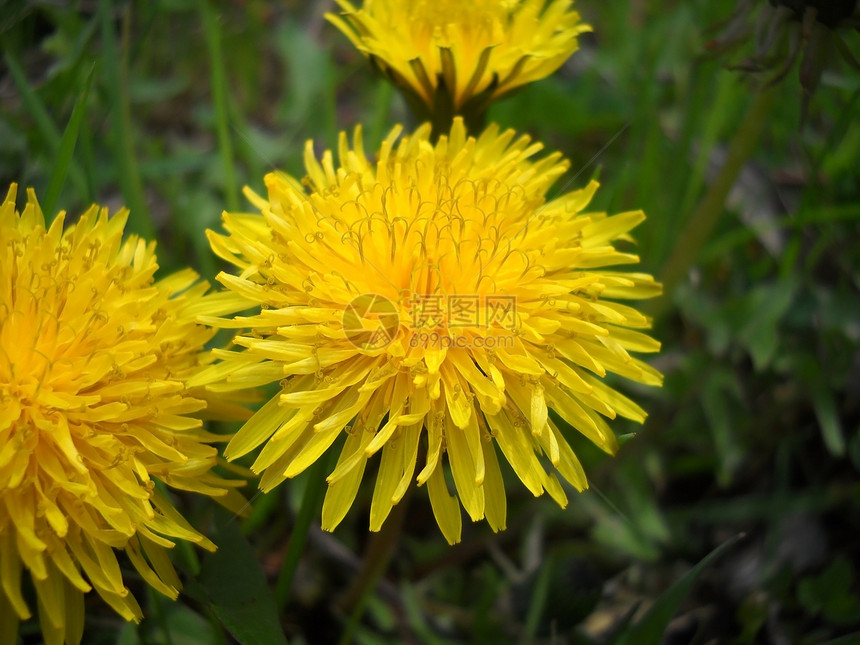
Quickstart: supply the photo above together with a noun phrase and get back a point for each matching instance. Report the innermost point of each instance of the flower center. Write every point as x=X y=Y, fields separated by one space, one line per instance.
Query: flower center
x=447 y=238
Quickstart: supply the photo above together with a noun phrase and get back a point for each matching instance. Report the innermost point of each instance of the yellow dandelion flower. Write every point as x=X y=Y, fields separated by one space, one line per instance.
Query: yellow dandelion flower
x=94 y=359
x=434 y=293
x=456 y=57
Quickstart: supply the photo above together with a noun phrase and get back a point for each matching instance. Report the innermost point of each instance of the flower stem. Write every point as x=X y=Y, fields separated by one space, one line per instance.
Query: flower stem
x=703 y=220
x=380 y=549
x=314 y=488
x=116 y=78
x=212 y=26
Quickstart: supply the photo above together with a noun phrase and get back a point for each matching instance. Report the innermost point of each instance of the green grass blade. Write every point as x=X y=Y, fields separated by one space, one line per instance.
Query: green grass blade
x=219 y=97
x=87 y=159
x=44 y=123
x=67 y=149
x=139 y=220
x=37 y=109
x=540 y=593
x=650 y=629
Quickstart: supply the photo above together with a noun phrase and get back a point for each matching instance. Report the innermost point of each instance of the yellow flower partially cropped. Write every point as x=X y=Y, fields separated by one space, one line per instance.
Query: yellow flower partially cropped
x=95 y=355
x=471 y=52
x=433 y=306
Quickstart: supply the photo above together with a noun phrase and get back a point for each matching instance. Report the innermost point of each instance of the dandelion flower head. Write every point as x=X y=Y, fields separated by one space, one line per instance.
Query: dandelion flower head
x=94 y=358
x=479 y=49
x=362 y=283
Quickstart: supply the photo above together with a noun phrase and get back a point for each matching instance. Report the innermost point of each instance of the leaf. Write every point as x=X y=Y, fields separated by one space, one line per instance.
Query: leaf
x=828 y=419
x=830 y=593
x=649 y=630
x=128 y=635
x=235 y=588
x=177 y=624
x=765 y=307
x=720 y=385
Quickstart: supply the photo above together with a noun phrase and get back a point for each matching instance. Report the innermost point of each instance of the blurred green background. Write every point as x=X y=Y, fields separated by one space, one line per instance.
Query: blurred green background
x=753 y=222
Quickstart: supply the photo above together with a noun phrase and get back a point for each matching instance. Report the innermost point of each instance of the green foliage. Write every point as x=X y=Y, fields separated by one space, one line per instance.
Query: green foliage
x=234 y=587
x=830 y=593
x=171 y=107
x=649 y=630
x=66 y=151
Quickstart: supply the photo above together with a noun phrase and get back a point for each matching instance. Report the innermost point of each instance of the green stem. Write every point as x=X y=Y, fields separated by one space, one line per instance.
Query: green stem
x=703 y=220
x=219 y=97
x=139 y=220
x=311 y=499
x=380 y=124
x=380 y=550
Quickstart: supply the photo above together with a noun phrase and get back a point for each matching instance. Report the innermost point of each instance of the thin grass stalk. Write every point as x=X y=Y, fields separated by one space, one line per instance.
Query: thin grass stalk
x=704 y=219
x=139 y=220
x=212 y=28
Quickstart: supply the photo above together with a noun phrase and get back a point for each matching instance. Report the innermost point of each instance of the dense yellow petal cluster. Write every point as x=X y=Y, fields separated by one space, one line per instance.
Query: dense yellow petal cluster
x=363 y=285
x=95 y=354
x=479 y=49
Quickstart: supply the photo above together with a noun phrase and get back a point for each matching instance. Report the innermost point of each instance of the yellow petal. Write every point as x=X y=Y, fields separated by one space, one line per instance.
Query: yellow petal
x=495 y=504
x=445 y=507
x=463 y=469
x=341 y=493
